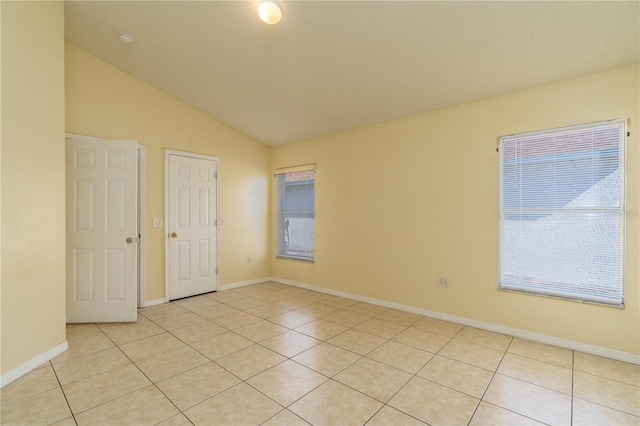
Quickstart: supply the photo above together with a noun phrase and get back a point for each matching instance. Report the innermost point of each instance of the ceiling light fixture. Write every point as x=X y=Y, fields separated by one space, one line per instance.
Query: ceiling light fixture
x=270 y=12
x=125 y=38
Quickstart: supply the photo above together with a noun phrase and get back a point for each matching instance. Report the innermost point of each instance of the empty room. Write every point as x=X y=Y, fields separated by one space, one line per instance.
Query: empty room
x=320 y=213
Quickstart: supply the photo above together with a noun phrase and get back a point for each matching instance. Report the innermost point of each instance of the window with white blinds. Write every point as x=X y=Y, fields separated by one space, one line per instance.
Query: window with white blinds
x=562 y=212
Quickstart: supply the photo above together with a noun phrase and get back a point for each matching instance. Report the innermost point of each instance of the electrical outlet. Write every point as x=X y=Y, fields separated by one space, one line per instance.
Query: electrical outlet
x=443 y=282
x=249 y=259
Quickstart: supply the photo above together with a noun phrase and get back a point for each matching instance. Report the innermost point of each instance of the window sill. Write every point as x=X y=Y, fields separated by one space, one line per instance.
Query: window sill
x=295 y=258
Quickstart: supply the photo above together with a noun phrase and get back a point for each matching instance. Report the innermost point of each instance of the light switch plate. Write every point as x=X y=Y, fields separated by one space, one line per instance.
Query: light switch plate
x=157 y=222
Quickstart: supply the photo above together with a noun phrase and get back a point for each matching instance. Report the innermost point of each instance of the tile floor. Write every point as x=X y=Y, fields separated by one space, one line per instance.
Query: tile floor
x=271 y=354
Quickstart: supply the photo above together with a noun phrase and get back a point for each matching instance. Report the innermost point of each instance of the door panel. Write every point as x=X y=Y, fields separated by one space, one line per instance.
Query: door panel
x=192 y=205
x=101 y=216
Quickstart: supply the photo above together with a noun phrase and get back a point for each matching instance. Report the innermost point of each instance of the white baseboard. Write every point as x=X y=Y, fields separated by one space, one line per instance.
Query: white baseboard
x=541 y=338
x=244 y=283
x=34 y=363
x=153 y=302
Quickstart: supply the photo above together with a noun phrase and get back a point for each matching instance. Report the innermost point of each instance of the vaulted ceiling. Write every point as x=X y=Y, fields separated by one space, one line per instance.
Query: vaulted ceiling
x=335 y=65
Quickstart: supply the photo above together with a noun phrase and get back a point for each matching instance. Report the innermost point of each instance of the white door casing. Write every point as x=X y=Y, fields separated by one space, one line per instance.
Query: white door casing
x=101 y=205
x=192 y=212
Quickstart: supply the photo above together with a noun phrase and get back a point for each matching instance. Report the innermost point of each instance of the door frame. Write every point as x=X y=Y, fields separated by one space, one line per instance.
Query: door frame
x=167 y=256
x=142 y=158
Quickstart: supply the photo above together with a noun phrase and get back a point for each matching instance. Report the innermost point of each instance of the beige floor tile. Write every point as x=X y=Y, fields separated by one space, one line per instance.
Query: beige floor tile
x=197 y=332
x=366 y=309
x=80 y=344
x=338 y=302
x=246 y=303
x=542 y=352
x=424 y=340
x=457 y=375
x=194 y=386
x=250 y=361
x=225 y=296
x=297 y=292
x=491 y=415
x=93 y=391
x=146 y=406
x=240 y=405
x=346 y=318
x=33 y=383
x=292 y=319
x=380 y=328
x=267 y=311
x=390 y=416
x=290 y=343
x=321 y=329
x=437 y=326
x=538 y=403
x=285 y=418
x=348 y=407
x=44 y=408
x=69 y=421
x=317 y=310
x=609 y=393
x=126 y=332
x=154 y=345
x=485 y=338
x=587 y=414
x=373 y=378
x=195 y=303
x=213 y=312
x=261 y=330
x=480 y=356
x=292 y=303
x=175 y=322
x=607 y=368
x=399 y=317
x=406 y=358
x=171 y=363
x=315 y=296
x=177 y=420
x=537 y=372
x=236 y=320
x=89 y=365
x=162 y=311
x=287 y=382
x=434 y=404
x=327 y=359
x=357 y=341
x=221 y=345
x=82 y=330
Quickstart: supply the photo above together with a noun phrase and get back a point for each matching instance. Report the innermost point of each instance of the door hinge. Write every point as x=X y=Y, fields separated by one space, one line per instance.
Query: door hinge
x=216 y=175
x=215 y=222
x=217 y=270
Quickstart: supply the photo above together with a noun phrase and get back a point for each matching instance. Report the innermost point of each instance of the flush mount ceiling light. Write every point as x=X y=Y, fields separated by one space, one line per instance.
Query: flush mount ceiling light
x=125 y=38
x=270 y=12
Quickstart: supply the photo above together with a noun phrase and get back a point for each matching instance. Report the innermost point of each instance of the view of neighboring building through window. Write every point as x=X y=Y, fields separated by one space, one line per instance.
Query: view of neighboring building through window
x=296 y=216
x=562 y=212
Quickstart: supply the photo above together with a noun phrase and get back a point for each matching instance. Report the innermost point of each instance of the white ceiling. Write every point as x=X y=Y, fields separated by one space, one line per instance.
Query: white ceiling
x=336 y=65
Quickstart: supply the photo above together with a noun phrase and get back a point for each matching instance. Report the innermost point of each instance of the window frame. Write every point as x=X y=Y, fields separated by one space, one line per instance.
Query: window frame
x=282 y=214
x=620 y=213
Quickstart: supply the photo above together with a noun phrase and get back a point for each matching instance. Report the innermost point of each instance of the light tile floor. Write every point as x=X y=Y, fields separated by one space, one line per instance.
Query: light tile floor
x=278 y=355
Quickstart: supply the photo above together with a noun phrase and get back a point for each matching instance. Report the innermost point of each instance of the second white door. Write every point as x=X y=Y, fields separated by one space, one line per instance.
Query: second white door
x=192 y=225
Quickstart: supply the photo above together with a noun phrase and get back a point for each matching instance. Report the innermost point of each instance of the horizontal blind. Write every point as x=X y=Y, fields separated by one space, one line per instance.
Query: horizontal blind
x=562 y=212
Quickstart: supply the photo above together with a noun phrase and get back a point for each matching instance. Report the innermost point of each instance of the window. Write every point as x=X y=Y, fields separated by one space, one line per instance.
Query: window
x=562 y=212
x=296 y=212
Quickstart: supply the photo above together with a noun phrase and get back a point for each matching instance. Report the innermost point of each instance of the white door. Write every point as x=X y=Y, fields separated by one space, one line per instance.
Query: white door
x=101 y=186
x=191 y=225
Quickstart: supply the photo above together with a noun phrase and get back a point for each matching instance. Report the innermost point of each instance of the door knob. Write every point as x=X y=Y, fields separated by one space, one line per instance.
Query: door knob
x=173 y=235
x=129 y=240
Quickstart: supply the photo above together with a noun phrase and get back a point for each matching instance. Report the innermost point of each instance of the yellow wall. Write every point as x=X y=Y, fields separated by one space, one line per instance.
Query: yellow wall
x=103 y=101
x=33 y=175
x=402 y=202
